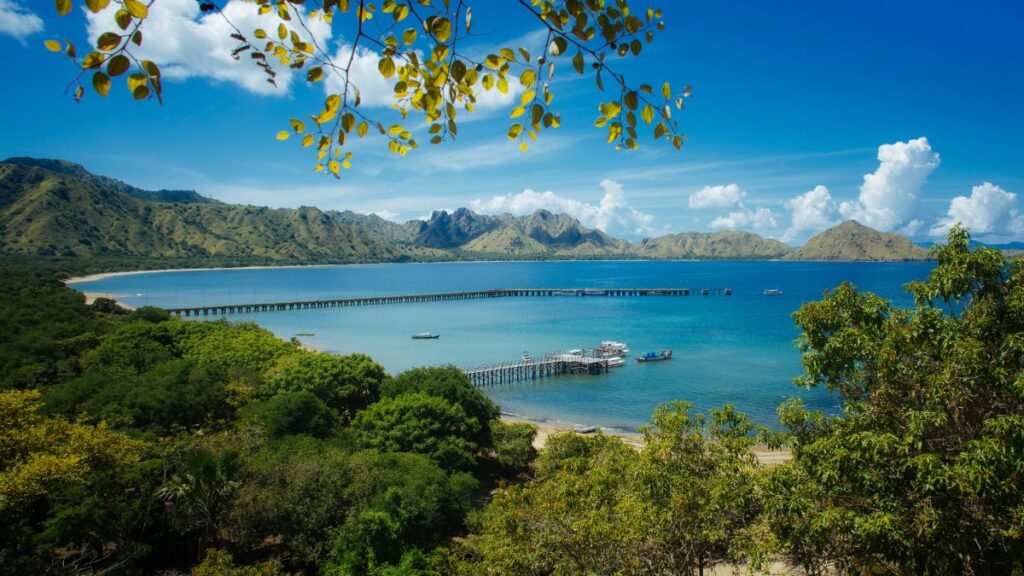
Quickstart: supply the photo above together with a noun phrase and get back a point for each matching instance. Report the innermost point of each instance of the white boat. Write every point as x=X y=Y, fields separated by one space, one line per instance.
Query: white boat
x=772 y=292
x=616 y=362
x=584 y=429
x=526 y=358
x=425 y=336
x=610 y=348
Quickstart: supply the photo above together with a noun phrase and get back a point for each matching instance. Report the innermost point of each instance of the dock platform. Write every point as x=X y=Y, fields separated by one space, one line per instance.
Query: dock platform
x=553 y=364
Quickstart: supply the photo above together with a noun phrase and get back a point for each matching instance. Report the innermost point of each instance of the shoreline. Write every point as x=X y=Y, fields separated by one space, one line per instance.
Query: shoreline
x=545 y=429
x=105 y=275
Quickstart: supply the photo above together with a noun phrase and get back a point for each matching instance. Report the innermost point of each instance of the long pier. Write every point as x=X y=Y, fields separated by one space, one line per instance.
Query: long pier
x=524 y=370
x=225 y=309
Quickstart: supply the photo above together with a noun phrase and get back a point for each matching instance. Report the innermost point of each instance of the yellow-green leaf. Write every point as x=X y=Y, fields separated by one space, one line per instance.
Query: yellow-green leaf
x=96 y=5
x=63 y=7
x=666 y=90
x=53 y=46
x=101 y=83
x=108 y=41
x=283 y=135
x=140 y=92
x=315 y=74
x=136 y=8
x=118 y=65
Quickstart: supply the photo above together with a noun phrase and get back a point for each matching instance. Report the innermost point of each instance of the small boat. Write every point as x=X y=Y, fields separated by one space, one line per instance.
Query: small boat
x=584 y=429
x=616 y=362
x=655 y=356
x=526 y=358
x=305 y=334
x=575 y=352
x=705 y=291
x=610 y=348
x=425 y=336
x=772 y=292
x=593 y=292
x=565 y=293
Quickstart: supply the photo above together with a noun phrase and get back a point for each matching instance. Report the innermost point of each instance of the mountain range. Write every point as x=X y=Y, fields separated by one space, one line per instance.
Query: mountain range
x=58 y=208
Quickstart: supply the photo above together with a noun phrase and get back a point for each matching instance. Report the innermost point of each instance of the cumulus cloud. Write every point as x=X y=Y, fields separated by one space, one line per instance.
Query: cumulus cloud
x=187 y=44
x=888 y=196
x=989 y=210
x=18 y=21
x=760 y=218
x=612 y=214
x=811 y=211
x=722 y=196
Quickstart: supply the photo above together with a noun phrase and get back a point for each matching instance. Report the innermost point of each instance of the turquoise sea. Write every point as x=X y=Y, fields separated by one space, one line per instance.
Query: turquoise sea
x=737 y=349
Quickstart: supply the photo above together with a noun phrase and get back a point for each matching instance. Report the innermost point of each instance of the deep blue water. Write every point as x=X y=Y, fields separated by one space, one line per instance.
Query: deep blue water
x=737 y=349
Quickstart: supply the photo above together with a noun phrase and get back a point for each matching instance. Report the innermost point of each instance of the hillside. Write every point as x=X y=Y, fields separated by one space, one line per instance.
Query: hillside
x=852 y=241
x=60 y=209
x=57 y=208
x=725 y=245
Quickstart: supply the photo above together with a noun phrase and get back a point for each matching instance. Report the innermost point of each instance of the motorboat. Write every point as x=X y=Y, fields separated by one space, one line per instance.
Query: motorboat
x=616 y=362
x=772 y=292
x=425 y=336
x=655 y=356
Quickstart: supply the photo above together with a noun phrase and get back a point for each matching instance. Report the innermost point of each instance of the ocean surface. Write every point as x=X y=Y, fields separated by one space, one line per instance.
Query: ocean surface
x=735 y=349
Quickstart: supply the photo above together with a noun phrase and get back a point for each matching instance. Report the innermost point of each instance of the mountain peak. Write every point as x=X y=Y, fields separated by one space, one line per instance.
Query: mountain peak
x=853 y=241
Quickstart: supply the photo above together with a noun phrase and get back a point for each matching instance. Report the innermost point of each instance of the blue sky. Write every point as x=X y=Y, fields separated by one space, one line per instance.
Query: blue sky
x=794 y=104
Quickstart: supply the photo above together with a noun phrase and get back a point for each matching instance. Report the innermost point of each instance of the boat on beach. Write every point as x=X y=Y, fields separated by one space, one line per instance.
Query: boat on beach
x=655 y=356
x=425 y=336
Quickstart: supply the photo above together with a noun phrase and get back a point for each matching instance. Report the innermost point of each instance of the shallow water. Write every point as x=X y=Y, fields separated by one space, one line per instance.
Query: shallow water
x=737 y=349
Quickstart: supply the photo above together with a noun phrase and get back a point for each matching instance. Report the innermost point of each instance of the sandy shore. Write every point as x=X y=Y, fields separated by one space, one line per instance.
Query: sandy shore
x=105 y=275
x=91 y=297
x=765 y=455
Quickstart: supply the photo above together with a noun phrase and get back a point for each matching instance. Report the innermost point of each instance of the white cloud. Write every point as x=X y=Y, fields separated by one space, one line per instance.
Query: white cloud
x=18 y=21
x=888 y=196
x=612 y=214
x=759 y=218
x=989 y=210
x=187 y=44
x=722 y=196
x=374 y=90
x=811 y=211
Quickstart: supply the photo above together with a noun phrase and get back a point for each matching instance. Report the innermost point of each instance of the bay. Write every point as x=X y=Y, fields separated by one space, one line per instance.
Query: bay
x=735 y=349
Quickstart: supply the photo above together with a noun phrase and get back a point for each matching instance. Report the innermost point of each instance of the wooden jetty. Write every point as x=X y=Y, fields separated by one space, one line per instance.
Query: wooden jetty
x=553 y=364
x=220 y=310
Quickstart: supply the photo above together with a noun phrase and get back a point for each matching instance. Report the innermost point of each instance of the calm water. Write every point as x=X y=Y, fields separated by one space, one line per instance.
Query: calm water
x=736 y=349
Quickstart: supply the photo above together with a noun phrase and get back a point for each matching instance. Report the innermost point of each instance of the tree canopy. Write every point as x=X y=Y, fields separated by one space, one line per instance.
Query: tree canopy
x=421 y=46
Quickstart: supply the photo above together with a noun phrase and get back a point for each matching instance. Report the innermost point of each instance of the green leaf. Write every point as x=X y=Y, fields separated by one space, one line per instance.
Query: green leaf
x=63 y=7
x=118 y=65
x=136 y=8
x=101 y=83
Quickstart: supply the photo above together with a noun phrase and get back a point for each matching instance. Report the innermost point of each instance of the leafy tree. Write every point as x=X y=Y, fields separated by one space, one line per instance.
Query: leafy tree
x=240 y=347
x=42 y=458
x=297 y=413
x=174 y=394
x=699 y=492
x=419 y=423
x=513 y=445
x=400 y=503
x=295 y=492
x=452 y=384
x=421 y=49
x=200 y=494
x=221 y=563
x=922 y=473
x=597 y=506
x=347 y=384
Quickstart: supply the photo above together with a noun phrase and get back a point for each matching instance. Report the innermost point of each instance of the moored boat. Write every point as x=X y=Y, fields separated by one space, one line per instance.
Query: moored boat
x=616 y=362
x=772 y=292
x=425 y=336
x=655 y=356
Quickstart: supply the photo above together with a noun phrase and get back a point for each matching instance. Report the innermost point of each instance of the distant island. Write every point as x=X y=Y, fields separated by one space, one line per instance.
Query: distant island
x=58 y=208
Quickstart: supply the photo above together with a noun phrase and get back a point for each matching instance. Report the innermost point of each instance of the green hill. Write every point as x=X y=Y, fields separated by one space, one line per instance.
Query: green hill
x=56 y=208
x=852 y=241
x=725 y=245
